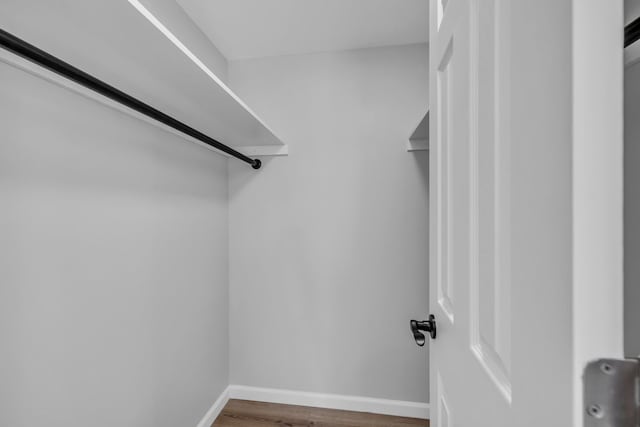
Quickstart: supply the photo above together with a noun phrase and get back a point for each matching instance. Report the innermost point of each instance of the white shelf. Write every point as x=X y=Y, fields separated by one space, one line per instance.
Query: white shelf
x=632 y=54
x=419 y=139
x=114 y=42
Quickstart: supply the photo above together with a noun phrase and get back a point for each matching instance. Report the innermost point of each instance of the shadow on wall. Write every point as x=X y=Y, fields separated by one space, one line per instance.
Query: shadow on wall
x=113 y=264
x=116 y=153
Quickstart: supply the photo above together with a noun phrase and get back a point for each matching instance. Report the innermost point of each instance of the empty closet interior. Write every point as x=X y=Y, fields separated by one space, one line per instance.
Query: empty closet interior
x=145 y=274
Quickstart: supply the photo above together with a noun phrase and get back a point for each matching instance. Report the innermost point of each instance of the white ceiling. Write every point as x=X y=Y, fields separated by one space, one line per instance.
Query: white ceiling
x=255 y=28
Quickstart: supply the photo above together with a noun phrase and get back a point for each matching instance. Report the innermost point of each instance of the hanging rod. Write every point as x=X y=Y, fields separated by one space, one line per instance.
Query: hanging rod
x=632 y=32
x=20 y=47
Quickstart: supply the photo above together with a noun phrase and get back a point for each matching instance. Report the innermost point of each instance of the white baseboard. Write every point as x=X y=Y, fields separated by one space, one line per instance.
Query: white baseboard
x=398 y=408
x=215 y=410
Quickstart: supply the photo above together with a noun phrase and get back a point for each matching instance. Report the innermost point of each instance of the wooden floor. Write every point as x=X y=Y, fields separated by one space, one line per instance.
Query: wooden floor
x=246 y=413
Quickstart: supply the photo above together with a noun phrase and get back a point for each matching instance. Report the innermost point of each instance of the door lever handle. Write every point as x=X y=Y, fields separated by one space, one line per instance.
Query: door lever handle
x=426 y=326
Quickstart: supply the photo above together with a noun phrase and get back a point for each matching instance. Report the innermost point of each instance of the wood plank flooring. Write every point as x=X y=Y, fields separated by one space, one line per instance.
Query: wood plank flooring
x=245 y=413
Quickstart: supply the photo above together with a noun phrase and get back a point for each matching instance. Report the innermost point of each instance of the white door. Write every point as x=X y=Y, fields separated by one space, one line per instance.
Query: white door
x=526 y=206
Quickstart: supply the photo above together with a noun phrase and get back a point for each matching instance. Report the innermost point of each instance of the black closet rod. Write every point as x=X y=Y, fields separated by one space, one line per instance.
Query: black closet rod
x=632 y=32
x=42 y=58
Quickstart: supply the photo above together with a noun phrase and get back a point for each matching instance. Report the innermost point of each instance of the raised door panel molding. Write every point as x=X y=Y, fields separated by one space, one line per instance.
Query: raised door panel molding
x=490 y=281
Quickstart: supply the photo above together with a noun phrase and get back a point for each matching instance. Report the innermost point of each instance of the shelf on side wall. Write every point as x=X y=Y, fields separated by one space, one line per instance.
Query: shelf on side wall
x=419 y=139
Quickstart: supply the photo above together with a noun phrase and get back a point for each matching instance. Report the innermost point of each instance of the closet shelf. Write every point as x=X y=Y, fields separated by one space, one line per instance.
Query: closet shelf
x=136 y=53
x=419 y=139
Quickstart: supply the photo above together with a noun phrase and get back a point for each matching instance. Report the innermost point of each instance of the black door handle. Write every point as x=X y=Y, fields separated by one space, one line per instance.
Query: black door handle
x=423 y=325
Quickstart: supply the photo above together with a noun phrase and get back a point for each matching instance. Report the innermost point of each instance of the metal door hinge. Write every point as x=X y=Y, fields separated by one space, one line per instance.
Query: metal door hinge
x=611 y=393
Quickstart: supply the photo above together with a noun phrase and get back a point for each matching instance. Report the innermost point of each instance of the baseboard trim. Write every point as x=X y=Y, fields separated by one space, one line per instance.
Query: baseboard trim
x=398 y=408
x=215 y=410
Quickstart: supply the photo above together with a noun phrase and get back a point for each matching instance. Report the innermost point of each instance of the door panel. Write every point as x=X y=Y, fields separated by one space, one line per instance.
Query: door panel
x=444 y=416
x=450 y=159
x=444 y=99
x=519 y=188
x=489 y=279
x=470 y=171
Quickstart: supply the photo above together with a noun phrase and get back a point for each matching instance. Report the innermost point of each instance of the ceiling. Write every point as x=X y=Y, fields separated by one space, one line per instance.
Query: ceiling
x=244 y=29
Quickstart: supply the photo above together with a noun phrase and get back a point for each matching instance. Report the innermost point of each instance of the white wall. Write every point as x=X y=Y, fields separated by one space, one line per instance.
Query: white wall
x=631 y=10
x=328 y=247
x=632 y=209
x=113 y=265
